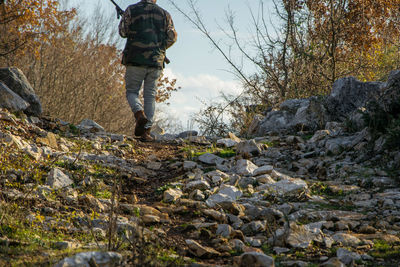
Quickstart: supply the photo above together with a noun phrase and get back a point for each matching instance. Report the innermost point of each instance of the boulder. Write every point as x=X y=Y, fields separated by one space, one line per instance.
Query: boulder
x=294 y=115
x=348 y=94
x=17 y=82
x=10 y=100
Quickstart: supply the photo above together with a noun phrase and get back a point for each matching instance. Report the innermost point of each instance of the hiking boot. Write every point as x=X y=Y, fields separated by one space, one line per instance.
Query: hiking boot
x=141 y=121
x=146 y=137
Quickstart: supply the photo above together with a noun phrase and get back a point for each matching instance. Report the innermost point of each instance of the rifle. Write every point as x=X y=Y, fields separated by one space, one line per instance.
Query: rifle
x=120 y=13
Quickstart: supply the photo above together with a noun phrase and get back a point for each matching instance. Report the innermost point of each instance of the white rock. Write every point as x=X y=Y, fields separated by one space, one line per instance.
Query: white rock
x=227 y=142
x=287 y=187
x=249 y=147
x=346 y=239
x=245 y=167
x=230 y=191
x=57 y=179
x=102 y=259
x=267 y=169
x=346 y=256
x=172 y=195
x=211 y=159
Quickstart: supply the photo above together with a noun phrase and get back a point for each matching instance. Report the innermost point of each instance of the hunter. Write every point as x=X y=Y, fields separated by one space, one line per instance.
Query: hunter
x=150 y=32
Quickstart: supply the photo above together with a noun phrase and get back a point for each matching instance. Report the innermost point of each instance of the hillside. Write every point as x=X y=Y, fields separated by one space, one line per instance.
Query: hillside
x=72 y=194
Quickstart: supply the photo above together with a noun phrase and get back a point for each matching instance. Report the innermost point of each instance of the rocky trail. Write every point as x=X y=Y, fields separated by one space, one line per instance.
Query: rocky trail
x=179 y=203
x=75 y=195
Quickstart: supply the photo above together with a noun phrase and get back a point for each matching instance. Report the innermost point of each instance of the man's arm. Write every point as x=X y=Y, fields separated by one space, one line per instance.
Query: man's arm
x=171 y=33
x=123 y=25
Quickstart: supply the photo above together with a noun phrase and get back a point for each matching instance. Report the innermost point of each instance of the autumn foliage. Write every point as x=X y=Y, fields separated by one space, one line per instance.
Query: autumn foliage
x=73 y=64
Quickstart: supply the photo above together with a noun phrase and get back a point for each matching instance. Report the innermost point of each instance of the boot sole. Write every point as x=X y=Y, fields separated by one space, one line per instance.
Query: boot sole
x=139 y=129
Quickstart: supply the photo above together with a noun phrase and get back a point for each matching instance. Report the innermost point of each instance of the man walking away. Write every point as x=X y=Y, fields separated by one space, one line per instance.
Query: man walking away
x=150 y=32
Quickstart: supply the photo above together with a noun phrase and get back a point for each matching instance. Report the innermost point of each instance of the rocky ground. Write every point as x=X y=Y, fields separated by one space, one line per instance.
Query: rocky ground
x=76 y=194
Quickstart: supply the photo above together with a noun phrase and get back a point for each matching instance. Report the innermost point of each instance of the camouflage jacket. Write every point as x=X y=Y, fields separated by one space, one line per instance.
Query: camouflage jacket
x=150 y=31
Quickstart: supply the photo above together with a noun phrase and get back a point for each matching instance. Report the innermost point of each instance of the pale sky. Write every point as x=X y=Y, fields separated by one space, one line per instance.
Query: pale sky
x=199 y=69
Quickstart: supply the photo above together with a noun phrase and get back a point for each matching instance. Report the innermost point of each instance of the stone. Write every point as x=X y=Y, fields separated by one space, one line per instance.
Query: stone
x=246 y=181
x=224 y=230
x=227 y=142
x=265 y=179
x=287 y=187
x=210 y=159
x=346 y=256
x=199 y=184
x=197 y=195
x=245 y=167
x=16 y=81
x=294 y=115
x=346 y=240
x=171 y=195
x=189 y=165
x=90 y=125
x=87 y=259
x=187 y=134
x=62 y=245
x=348 y=94
x=301 y=236
x=34 y=151
x=266 y=169
x=49 y=140
x=253 y=228
x=216 y=215
x=249 y=147
x=56 y=179
x=154 y=165
x=92 y=202
x=333 y=262
x=10 y=100
x=201 y=251
x=230 y=191
x=256 y=259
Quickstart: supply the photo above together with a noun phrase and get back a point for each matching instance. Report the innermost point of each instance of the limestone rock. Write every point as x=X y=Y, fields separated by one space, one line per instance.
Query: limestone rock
x=90 y=125
x=210 y=159
x=346 y=256
x=17 y=82
x=227 y=142
x=187 y=134
x=348 y=94
x=301 y=236
x=57 y=179
x=10 y=100
x=245 y=167
x=266 y=169
x=256 y=259
x=172 y=195
x=201 y=251
x=86 y=259
x=346 y=239
x=249 y=147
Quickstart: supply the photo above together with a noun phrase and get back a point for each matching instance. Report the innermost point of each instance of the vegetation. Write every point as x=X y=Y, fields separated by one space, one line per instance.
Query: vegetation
x=312 y=44
x=73 y=64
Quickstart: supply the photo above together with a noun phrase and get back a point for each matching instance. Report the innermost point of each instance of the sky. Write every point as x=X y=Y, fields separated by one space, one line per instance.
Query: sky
x=200 y=70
